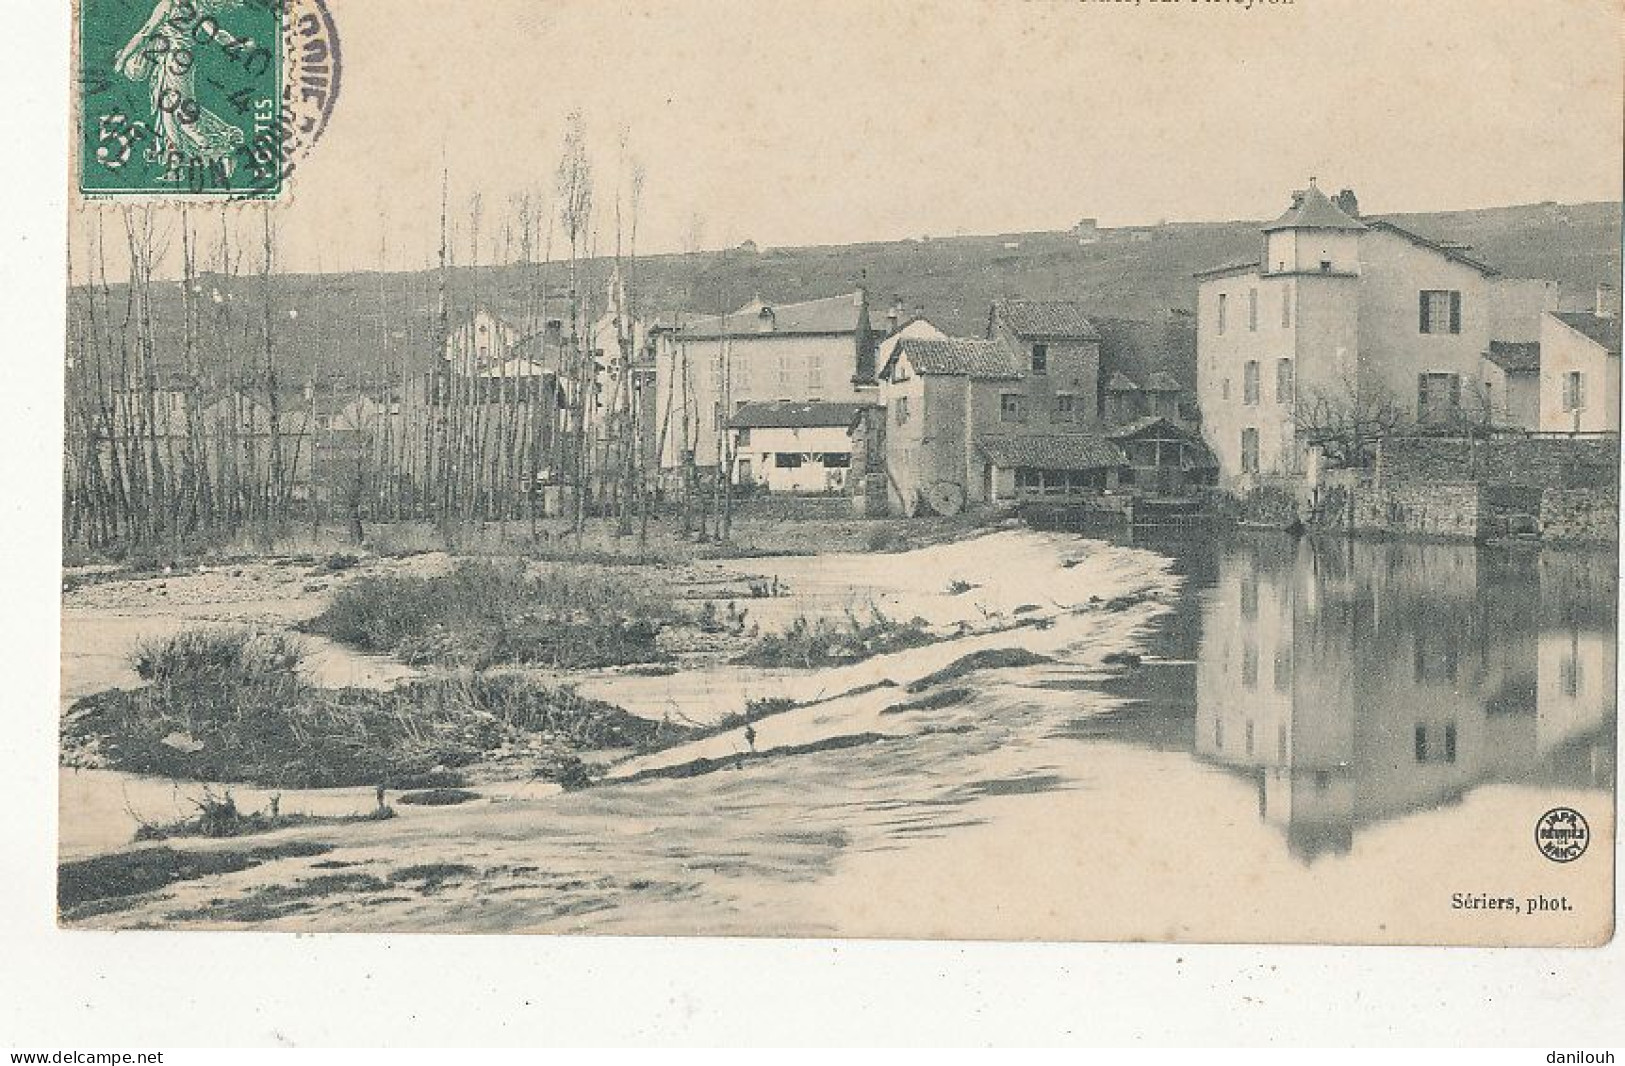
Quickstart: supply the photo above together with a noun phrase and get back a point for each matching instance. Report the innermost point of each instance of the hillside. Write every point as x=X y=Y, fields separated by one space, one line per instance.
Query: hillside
x=346 y=326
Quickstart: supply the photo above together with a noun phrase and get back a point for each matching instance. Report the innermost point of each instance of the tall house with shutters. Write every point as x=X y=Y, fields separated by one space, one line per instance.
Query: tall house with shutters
x=1340 y=313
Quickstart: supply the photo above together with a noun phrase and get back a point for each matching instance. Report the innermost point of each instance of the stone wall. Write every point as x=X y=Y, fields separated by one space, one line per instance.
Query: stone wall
x=785 y=507
x=1539 y=462
x=1563 y=488
x=1451 y=512
x=1579 y=516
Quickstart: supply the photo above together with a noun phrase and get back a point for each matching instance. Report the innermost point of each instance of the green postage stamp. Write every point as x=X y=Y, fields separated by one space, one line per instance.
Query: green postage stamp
x=181 y=97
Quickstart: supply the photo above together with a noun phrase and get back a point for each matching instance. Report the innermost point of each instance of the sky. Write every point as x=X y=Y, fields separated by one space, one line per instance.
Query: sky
x=834 y=121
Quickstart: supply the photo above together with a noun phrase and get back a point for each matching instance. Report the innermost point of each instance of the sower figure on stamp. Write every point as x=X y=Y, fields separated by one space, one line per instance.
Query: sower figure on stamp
x=162 y=52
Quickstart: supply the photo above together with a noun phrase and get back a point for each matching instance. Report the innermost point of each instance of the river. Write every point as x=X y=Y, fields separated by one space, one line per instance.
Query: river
x=1321 y=741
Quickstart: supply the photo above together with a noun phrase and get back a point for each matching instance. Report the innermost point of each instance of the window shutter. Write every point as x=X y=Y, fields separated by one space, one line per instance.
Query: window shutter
x=1579 y=391
x=1455 y=392
x=1421 y=395
x=1422 y=311
x=1455 y=312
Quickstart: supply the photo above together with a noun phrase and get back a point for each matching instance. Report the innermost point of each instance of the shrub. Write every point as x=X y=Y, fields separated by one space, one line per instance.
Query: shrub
x=809 y=644
x=886 y=539
x=215 y=655
x=483 y=614
x=245 y=715
x=338 y=561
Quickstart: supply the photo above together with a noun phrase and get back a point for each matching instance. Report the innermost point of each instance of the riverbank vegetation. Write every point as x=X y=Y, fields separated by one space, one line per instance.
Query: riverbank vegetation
x=231 y=706
x=823 y=642
x=485 y=613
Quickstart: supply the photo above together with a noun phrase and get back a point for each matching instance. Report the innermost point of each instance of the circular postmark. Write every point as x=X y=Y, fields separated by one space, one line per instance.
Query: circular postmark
x=1562 y=834
x=210 y=98
x=314 y=65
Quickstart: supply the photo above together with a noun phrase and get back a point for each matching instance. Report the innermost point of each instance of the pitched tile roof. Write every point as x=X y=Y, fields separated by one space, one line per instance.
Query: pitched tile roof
x=1140 y=425
x=960 y=355
x=1071 y=451
x=1162 y=381
x=1058 y=319
x=828 y=316
x=1515 y=357
x=1121 y=382
x=794 y=415
x=1605 y=331
x=1452 y=252
x=1312 y=210
x=1241 y=266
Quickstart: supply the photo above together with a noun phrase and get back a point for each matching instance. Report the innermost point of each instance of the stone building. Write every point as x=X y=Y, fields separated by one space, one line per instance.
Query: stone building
x=1339 y=316
x=1013 y=416
x=1579 y=371
x=707 y=367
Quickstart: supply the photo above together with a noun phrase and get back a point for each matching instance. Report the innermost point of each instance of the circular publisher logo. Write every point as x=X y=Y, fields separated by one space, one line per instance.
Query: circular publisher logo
x=1562 y=834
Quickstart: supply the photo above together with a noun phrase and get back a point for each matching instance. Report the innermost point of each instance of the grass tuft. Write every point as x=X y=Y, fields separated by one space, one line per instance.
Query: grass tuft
x=484 y=614
x=237 y=711
x=810 y=644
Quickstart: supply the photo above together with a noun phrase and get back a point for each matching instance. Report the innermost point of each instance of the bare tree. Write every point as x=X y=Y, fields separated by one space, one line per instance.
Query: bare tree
x=575 y=203
x=1347 y=422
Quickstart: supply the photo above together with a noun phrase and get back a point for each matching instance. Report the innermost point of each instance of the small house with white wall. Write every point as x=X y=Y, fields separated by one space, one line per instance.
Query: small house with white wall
x=793 y=447
x=1579 y=371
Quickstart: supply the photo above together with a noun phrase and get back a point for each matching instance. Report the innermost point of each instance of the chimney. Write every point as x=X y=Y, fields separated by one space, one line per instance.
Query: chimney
x=1607 y=301
x=894 y=317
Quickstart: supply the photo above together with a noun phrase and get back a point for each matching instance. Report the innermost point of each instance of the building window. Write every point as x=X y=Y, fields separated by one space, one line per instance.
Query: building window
x=1325 y=266
x=1012 y=407
x=786 y=378
x=837 y=460
x=1283 y=381
x=1040 y=359
x=1421 y=742
x=1439 y=311
x=1224 y=309
x=1286 y=307
x=1225 y=388
x=1574 y=391
x=1064 y=410
x=900 y=405
x=787 y=460
x=742 y=438
x=815 y=375
x=1249 y=451
x=1249 y=382
x=1283 y=672
x=1568 y=675
x=1252 y=310
x=1438 y=397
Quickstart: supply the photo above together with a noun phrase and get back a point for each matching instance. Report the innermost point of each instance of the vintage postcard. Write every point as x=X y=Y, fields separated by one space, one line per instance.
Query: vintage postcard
x=973 y=469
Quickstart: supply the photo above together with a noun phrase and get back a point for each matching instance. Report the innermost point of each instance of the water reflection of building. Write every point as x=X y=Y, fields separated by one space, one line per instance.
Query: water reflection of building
x=1361 y=681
